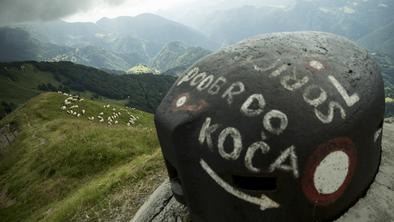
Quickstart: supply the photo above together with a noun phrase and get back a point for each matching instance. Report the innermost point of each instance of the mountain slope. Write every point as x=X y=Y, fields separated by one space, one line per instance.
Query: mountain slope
x=116 y=44
x=65 y=33
x=18 y=45
x=175 y=54
x=153 y=28
x=60 y=165
x=97 y=57
x=352 y=19
x=20 y=81
x=381 y=40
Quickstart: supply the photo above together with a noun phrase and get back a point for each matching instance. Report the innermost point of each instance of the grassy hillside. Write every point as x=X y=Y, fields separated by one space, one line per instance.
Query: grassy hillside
x=142 y=69
x=66 y=166
x=20 y=81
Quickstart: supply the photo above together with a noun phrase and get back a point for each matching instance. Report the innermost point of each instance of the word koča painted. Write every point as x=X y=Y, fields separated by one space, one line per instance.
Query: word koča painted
x=280 y=127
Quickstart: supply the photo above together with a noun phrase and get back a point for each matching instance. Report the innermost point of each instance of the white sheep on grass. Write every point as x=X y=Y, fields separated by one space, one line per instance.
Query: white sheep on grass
x=83 y=111
x=133 y=118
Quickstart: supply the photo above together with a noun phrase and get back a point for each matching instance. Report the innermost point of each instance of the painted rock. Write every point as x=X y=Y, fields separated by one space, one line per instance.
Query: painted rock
x=279 y=127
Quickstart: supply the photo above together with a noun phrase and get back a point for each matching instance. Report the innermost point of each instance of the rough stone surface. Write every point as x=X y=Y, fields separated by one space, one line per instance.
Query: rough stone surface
x=7 y=136
x=377 y=205
x=162 y=206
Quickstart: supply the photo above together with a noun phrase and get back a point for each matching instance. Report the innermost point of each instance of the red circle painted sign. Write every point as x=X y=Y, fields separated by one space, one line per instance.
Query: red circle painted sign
x=329 y=171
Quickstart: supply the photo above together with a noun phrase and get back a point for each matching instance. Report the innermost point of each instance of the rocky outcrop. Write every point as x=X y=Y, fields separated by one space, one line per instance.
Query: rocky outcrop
x=8 y=134
x=376 y=205
x=162 y=206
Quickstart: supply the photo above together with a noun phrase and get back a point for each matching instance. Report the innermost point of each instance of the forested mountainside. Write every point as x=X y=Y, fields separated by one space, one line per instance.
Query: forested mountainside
x=20 y=81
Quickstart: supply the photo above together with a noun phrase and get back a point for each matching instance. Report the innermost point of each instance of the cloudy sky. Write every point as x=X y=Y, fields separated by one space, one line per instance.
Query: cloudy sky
x=125 y=8
x=17 y=11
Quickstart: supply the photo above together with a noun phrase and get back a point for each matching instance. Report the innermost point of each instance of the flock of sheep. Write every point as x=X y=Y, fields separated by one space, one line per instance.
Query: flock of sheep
x=70 y=105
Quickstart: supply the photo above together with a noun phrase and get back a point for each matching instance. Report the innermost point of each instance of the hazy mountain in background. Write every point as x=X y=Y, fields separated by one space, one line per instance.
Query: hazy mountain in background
x=114 y=44
x=368 y=22
x=381 y=40
x=176 y=54
x=156 y=29
x=197 y=13
x=17 y=44
x=353 y=19
x=153 y=30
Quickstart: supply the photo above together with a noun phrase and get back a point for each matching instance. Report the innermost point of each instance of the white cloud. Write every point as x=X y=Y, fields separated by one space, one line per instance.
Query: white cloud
x=15 y=11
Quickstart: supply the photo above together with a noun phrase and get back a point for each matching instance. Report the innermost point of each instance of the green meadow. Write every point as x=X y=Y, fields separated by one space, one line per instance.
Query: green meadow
x=68 y=167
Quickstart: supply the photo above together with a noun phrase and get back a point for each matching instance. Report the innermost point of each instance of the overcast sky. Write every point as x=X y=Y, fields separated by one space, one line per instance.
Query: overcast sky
x=17 y=11
x=127 y=8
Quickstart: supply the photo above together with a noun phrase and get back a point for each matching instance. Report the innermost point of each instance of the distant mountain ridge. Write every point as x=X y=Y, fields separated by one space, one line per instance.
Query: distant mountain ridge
x=353 y=19
x=115 y=44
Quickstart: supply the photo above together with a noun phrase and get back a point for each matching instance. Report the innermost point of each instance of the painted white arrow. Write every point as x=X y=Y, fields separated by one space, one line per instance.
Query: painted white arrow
x=264 y=202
